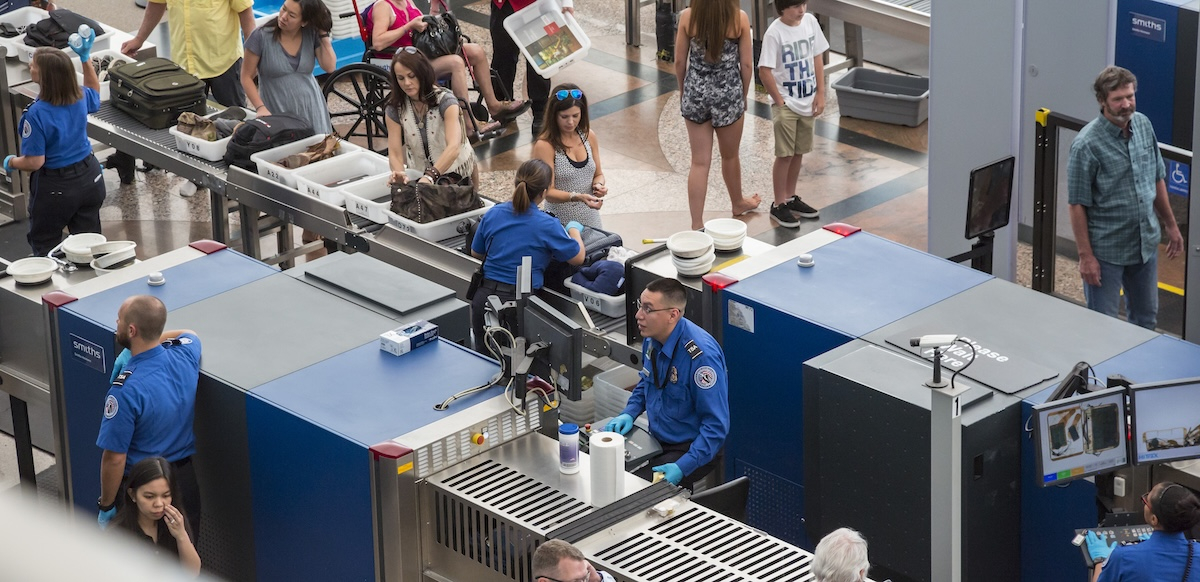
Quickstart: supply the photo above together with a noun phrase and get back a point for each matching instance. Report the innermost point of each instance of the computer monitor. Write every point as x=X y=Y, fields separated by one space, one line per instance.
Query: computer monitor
x=564 y=358
x=1166 y=420
x=990 y=199
x=1080 y=436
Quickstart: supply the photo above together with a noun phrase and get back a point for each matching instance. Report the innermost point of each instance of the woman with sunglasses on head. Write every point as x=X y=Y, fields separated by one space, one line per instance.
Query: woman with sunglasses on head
x=715 y=81
x=150 y=513
x=568 y=145
x=425 y=124
x=283 y=54
x=1166 y=556
x=513 y=230
x=391 y=24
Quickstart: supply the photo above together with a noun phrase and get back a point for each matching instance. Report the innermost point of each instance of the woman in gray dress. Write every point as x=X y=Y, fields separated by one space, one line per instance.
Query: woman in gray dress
x=282 y=54
x=568 y=144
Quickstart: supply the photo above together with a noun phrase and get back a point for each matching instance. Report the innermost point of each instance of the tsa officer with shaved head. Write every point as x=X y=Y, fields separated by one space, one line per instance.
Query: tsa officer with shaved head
x=150 y=406
x=683 y=387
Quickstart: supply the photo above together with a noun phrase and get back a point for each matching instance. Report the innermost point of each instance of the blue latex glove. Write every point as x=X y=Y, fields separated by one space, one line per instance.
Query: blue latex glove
x=623 y=423
x=1098 y=547
x=106 y=516
x=119 y=365
x=8 y=169
x=671 y=472
x=82 y=41
x=1143 y=537
x=574 y=225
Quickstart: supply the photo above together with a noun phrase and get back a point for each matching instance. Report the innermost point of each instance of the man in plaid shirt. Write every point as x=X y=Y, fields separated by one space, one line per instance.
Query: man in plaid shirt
x=1118 y=201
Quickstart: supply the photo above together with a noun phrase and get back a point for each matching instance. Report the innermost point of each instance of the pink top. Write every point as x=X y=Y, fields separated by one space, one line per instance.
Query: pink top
x=401 y=18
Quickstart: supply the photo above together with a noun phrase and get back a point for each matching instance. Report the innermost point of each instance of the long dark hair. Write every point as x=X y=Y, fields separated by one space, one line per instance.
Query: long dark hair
x=1176 y=507
x=710 y=23
x=145 y=471
x=56 y=75
x=422 y=68
x=312 y=12
x=550 y=130
x=533 y=177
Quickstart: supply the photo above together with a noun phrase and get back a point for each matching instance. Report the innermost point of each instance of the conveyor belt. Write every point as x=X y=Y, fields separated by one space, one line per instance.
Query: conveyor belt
x=162 y=138
x=922 y=6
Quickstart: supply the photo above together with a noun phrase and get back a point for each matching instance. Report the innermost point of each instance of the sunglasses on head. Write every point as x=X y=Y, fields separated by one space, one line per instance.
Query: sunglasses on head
x=563 y=94
x=412 y=50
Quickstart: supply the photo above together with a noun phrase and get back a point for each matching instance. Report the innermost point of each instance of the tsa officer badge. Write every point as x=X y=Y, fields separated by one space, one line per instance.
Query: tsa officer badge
x=674 y=375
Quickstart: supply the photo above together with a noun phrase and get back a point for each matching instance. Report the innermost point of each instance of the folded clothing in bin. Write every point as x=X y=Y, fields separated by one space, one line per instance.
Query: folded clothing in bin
x=607 y=277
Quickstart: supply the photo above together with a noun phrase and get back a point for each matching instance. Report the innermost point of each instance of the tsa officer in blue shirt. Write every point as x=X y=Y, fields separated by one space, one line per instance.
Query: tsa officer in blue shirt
x=683 y=387
x=510 y=231
x=66 y=188
x=1166 y=555
x=150 y=406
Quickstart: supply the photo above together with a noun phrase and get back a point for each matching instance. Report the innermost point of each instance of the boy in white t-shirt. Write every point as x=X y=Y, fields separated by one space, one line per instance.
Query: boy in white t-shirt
x=791 y=69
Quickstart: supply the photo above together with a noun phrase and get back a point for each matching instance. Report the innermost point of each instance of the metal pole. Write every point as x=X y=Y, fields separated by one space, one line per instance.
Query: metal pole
x=945 y=489
x=1043 y=203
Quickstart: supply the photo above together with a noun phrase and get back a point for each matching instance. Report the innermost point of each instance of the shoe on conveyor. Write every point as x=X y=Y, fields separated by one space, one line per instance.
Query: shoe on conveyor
x=801 y=208
x=784 y=215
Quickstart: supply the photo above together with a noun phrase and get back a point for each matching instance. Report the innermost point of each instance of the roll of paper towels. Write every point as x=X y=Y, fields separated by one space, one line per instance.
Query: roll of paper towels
x=607 y=452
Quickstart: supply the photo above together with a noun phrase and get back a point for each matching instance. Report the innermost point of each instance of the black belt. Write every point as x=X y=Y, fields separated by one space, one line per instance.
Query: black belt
x=71 y=170
x=498 y=286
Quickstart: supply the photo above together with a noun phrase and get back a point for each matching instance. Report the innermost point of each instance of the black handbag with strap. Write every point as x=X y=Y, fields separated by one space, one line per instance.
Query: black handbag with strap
x=442 y=36
x=422 y=203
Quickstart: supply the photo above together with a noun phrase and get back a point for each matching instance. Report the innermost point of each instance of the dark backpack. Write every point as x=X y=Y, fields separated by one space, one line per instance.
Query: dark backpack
x=55 y=30
x=263 y=133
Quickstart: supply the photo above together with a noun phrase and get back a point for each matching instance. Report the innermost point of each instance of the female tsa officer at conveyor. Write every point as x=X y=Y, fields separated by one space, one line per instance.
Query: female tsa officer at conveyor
x=67 y=188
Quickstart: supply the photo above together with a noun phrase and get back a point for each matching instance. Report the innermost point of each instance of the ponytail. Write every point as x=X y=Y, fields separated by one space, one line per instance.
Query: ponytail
x=533 y=178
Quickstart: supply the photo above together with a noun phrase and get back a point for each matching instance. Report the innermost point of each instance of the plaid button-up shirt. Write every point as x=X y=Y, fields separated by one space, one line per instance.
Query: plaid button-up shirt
x=1116 y=178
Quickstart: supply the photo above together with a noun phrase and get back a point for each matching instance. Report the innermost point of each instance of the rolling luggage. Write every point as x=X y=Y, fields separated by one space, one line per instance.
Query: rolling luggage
x=155 y=91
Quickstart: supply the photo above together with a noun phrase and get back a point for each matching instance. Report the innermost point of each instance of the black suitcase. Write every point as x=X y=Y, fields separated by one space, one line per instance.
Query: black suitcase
x=155 y=91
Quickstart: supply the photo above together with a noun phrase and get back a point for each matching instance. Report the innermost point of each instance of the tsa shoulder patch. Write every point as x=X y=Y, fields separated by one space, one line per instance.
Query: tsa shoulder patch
x=693 y=350
x=122 y=377
x=110 y=406
x=26 y=129
x=705 y=377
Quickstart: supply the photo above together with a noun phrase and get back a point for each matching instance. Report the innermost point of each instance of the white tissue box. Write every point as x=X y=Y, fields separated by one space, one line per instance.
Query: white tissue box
x=407 y=338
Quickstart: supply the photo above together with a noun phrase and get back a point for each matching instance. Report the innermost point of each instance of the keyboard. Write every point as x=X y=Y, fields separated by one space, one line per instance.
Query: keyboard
x=1124 y=535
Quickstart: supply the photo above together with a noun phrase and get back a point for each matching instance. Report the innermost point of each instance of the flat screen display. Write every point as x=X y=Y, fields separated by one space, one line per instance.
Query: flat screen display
x=1080 y=436
x=1166 y=420
x=990 y=199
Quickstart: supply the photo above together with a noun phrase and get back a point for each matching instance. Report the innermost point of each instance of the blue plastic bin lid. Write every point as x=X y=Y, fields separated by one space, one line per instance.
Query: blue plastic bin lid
x=568 y=428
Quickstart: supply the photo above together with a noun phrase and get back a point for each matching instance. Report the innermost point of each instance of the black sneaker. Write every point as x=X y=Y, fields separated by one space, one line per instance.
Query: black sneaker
x=784 y=215
x=801 y=208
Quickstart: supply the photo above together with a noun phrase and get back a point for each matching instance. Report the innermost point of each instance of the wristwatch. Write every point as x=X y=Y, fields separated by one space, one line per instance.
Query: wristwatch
x=102 y=507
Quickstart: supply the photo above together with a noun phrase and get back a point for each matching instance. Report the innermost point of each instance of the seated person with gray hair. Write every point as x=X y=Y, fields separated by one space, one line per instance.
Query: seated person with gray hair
x=559 y=561
x=841 y=557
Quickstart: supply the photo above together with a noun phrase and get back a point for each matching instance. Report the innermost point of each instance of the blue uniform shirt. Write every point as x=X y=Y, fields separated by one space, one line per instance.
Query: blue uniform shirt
x=1116 y=178
x=685 y=391
x=58 y=132
x=504 y=237
x=150 y=407
x=1158 y=559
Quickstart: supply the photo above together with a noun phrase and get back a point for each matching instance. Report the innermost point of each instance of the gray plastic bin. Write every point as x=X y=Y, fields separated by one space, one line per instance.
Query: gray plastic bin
x=886 y=97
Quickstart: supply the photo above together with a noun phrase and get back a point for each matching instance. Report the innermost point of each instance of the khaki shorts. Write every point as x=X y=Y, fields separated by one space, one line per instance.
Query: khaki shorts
x=793 y=132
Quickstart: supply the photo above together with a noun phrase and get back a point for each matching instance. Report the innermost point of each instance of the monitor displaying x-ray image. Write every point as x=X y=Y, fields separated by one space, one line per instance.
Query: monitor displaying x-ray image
x=1080 y=436
x=1166 y=420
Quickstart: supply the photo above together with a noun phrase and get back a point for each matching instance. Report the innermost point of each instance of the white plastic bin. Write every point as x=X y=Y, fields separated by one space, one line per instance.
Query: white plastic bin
x=438 y=230
x=212 y=151
x=610 y=387
x=25 y=52
x=325 y=179
x=549 y=39
x=372 y=197
x=268 y=168
x=581 y=412
x=21 y=18
x=97 y=55
x=610 y=305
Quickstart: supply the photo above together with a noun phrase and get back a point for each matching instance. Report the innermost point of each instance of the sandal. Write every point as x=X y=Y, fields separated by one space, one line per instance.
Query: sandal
x=510 y=110
x=485 y=131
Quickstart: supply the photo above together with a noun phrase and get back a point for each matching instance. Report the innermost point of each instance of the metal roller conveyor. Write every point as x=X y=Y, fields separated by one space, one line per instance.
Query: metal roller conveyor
x=907 y=19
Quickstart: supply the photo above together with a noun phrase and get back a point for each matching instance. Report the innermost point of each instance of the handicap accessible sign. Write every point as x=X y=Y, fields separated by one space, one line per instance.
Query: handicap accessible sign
x=1178 y=176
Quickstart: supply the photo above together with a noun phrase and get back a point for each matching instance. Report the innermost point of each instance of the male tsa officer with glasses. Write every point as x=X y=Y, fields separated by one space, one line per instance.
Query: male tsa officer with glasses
x=683 y=387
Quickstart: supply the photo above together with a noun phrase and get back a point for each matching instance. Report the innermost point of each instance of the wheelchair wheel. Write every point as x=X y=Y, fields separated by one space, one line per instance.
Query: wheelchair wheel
x=356 y=95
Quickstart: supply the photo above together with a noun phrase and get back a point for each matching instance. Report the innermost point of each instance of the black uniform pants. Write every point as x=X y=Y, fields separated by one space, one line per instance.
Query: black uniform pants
x=506 y=53
x=69 y=197
x=670 y=454
x=504 y=291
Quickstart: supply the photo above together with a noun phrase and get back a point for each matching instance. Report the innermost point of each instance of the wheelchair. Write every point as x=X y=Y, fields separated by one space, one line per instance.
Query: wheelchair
x=356 y=94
